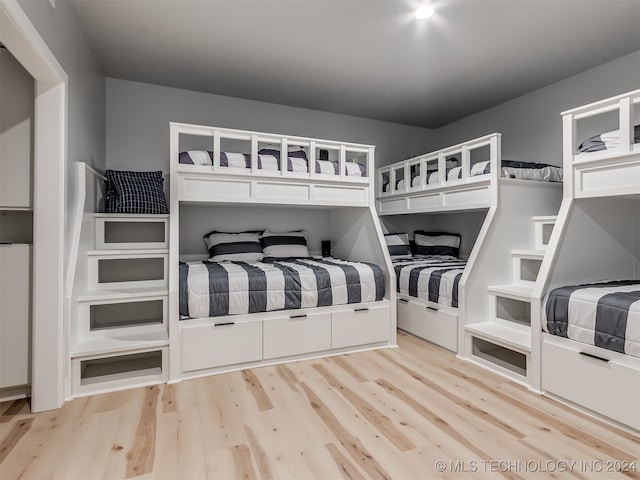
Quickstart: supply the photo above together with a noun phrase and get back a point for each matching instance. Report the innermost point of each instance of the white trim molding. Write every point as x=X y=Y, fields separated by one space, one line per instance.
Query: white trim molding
x=50 y=371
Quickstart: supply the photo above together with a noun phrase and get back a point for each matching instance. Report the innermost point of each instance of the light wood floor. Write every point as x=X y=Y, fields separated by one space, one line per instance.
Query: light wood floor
x=392 y=413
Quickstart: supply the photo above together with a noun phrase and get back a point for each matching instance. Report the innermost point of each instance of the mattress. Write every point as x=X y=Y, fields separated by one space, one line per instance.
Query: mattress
x=606 y=141
x=211 y=289
x=604 y=314
x=434 y=278
x=269 y=159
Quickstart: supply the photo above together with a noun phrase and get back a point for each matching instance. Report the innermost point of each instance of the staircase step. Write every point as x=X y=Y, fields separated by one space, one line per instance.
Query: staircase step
x=516 y=291
x=136 y=216
x=133 y=293
x=546 y=219
x=516 y=337
x=128 y=253
x=529 y=254
x=153 y=338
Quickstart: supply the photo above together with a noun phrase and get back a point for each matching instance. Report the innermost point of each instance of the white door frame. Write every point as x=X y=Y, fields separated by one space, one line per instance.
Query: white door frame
x=48 y=346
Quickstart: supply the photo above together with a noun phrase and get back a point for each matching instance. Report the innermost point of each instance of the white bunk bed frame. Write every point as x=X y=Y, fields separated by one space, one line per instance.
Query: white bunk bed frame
x=591 y=378
x=494 y=275
x=206 y=346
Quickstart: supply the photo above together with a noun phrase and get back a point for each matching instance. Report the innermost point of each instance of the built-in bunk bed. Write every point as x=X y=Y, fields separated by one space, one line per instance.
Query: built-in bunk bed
x=473 y=218
x=588 y=294
x=275 y=250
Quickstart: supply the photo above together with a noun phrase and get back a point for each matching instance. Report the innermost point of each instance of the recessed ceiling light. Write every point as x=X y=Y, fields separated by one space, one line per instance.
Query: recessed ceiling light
x=424 y=12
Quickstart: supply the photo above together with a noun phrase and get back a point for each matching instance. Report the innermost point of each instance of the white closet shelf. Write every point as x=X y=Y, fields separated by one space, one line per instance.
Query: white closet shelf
x=516 y=291
x=122 y=343
x=120 y=294
x=512 y=335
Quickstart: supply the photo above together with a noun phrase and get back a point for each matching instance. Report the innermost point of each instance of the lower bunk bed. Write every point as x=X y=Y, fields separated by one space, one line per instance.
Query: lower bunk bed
x=591 y=348
x=427 y=280
x=241 y=313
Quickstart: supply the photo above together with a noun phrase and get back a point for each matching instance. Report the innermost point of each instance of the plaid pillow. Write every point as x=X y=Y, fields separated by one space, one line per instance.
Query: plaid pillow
x=137 y=192
x=110 y=199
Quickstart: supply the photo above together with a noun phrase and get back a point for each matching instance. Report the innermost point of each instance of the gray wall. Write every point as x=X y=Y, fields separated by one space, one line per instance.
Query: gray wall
x=531 y=125
x=86 y=91
x=138 y=117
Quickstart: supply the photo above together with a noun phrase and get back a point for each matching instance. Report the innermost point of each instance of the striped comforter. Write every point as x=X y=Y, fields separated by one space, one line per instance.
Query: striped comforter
x=606 y=315
x=211 y=289
x=434 y=278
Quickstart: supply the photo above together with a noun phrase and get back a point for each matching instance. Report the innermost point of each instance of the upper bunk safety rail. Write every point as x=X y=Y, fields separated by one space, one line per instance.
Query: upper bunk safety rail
x=626 y=105
x=249 y=153
x=456 y=165
x=601 y=156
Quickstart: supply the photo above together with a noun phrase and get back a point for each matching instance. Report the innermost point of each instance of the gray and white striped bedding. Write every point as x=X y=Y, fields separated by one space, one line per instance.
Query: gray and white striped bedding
x=211 y=289
x=606 y=141
x=541 y=172
x=270 y=160
x=434 y=278
x=605 y=314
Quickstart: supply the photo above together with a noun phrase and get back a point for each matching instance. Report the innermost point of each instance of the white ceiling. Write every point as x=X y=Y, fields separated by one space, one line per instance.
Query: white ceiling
x=368 y=58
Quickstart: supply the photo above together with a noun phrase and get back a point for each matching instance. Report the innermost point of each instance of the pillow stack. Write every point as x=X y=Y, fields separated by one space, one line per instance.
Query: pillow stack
x=254 y=246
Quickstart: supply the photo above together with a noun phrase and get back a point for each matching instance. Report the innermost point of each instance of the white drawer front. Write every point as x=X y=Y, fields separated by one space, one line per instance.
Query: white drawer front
x=434 y=325
x=360 y=325
x=213 y=346
x=608 y=388
x=404 y=314
x=296 y=334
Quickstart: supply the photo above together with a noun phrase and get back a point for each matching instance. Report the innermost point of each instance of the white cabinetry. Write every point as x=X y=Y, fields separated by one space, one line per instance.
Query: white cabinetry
x=15 y=313
x=435 y=323
x=211 y=345
x=16 y=225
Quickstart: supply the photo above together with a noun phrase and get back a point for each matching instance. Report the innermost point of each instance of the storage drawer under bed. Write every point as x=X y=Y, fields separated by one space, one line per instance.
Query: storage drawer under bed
x=430 y=323
x=360 y=324
x=593 y=378
x=297 y=333
x=222 y=341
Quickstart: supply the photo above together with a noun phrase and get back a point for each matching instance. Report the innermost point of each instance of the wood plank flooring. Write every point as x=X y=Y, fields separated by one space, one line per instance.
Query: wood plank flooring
x=415 y=412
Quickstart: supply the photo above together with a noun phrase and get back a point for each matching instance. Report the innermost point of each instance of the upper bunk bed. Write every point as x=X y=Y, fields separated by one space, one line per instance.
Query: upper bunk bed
x=260 y=292
x=587 y=299
x=607 y=163
x=215 y=164
x=459 y=177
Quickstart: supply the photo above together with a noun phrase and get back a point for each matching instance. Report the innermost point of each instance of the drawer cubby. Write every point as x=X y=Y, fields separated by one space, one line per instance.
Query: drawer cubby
x=122 y=232
x=94 y=374
x=500 y=356
x=529 y=269
x=128 y=270
x=127 y=314
x=513 y=310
